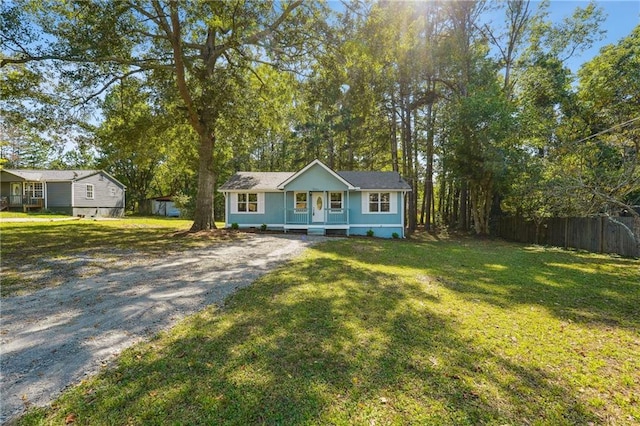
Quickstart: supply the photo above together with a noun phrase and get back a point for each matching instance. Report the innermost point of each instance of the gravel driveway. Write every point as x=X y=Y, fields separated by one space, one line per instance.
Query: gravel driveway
x=56 y=337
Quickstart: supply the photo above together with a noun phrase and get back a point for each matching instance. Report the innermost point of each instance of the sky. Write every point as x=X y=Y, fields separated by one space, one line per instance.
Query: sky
x=622 y=17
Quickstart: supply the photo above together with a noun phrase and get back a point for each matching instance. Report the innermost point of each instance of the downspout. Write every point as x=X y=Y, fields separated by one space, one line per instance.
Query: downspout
x=44 y=190
x=404 y=194
x=226 y=209
x=73 y=196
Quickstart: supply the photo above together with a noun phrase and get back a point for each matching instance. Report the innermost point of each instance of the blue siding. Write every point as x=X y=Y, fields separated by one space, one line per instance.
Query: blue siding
x=356 y=216
x=316 y=178
x=273 y=211
x=378 y=231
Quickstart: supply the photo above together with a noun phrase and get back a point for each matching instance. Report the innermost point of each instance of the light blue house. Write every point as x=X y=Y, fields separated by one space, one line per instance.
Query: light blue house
x=317 y=200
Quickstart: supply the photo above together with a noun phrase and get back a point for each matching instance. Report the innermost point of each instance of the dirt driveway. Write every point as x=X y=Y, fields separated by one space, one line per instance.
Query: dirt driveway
x=56 y=337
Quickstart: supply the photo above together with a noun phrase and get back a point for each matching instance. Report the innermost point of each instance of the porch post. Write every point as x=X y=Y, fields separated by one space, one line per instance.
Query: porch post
x=325 y=213
x=284 y=210
x=347 y=203
x=44 y=194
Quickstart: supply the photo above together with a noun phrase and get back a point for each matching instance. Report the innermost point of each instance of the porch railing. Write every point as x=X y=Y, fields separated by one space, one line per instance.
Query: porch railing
x=336 y=216
x=302 y=217
x=25 y=200
x=297 y=216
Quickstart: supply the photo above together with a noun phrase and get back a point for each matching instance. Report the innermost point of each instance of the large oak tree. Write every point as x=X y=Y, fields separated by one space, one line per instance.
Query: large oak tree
x=202 y=46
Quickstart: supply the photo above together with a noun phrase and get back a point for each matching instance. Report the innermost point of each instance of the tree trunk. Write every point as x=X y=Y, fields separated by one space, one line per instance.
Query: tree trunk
x=203 y=218
x=394 y=139
x=463 y=212
x=428 y=182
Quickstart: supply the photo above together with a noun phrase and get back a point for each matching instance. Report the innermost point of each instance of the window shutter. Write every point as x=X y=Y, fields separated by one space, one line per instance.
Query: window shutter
x=260 y=202
x=233 y=199
x=393 y=202
x=365 y=202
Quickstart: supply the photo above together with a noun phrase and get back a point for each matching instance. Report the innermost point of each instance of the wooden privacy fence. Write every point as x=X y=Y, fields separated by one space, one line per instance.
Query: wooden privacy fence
x=601 y=234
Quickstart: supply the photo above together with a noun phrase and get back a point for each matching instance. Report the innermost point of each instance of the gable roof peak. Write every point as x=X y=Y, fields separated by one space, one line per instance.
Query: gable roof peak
x=324 y=166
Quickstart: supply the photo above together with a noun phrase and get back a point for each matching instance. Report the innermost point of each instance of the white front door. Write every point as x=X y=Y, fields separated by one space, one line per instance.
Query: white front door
x=16 y=194
x=317 y=207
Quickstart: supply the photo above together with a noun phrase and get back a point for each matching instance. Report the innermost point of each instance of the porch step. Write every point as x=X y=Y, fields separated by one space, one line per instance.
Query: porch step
x=316 y=231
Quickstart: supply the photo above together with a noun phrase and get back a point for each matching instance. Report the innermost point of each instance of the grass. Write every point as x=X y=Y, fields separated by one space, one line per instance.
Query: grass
x=32 y=215
x=364 y=331
x=40 y=254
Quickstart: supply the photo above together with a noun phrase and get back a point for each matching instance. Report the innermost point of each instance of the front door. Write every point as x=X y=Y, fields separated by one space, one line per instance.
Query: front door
x=16 y=194
x=317 y=206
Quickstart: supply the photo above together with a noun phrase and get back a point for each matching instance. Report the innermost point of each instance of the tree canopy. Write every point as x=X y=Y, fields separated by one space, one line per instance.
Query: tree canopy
x=481 y=116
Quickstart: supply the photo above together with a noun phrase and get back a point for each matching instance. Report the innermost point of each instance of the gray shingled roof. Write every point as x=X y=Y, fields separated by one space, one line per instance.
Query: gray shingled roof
x=375 y=180
x=255 y=180
x=51 y=175
x=269 y=181
x=33 y=175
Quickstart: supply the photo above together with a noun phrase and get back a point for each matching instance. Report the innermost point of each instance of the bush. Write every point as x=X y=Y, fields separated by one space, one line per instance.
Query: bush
x=186 y=204
x=234 y=225
x=370 y=233
x=395 y=235
x=263 y=227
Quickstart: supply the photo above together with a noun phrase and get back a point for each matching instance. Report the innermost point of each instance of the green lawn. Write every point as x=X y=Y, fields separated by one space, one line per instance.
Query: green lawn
x=365 y=331
x=31 y=251
x=31 y=215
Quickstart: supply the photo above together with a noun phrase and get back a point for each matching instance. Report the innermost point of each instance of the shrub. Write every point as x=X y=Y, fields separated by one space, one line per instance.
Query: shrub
x=186 y=204
x=263 y=227
x=395 y=235
x=370 y=233
x=234 y=225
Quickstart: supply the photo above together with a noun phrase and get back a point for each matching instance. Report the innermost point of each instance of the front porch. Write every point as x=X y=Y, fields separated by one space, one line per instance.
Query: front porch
x=24 y=202
x=318 y=222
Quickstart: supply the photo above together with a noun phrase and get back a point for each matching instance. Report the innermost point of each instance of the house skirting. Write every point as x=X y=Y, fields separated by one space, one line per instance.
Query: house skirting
x=382 y=231
x=98 y=211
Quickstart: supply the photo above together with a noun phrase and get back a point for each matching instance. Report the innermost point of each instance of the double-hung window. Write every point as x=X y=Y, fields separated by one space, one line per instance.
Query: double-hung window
x=89 y=194
x=301 y=200
x=248 y=203
x=335 y=199
x=379 y=202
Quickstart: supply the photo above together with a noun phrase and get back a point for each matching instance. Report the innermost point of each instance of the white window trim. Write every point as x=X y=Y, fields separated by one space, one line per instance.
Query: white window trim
x=341 y=200
x=234 y=202
x=32 y=193
x=393 y=202
x=93 y=192
x=295 y=200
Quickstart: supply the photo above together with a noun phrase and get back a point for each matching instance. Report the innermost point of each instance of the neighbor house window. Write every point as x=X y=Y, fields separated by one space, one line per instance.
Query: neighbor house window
x=90 y=191
x=301 y=200
x=248 y=203
x=380 y=202
x=34 y=189
x=336 y=200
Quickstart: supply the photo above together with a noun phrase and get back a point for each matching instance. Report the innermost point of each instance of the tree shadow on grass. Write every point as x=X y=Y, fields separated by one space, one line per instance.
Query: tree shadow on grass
x=576 y=286
x=323 y=341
